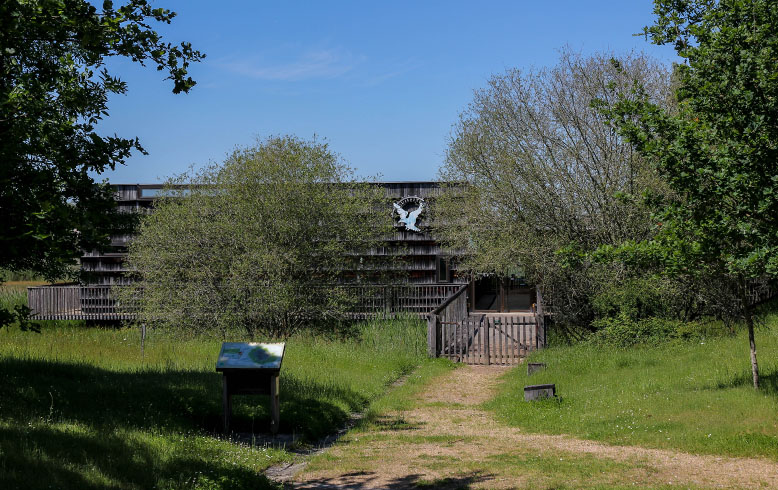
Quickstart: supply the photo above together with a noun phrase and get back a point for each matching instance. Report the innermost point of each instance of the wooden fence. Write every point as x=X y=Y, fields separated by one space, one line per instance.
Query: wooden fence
x=372 y=300
x=77 y=302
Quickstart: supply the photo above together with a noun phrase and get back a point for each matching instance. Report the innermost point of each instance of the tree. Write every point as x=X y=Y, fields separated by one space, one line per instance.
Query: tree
x=719 y=151
x=543 y=172
x=54 y=87
x=261 y=243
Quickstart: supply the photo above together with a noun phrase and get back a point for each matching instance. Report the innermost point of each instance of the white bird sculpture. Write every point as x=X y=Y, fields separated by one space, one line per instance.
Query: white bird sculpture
x=409 y=219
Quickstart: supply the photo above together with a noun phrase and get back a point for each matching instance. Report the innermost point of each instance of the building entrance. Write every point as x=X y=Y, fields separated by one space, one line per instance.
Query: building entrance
x=492 y=294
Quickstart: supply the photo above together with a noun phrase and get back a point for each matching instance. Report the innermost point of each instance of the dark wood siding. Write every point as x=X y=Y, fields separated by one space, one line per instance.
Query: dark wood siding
x=417 y=251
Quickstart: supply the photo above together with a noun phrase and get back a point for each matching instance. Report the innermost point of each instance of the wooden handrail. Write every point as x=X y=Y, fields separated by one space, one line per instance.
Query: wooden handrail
x=439 y=309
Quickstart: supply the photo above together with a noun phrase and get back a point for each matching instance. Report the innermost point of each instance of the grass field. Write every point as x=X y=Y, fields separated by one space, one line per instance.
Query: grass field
x=12 y=294
x=81 y=408
x=690 y=396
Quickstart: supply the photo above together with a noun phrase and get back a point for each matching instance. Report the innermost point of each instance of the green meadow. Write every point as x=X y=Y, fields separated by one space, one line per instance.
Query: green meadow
x=82 y=407
x=694 y=396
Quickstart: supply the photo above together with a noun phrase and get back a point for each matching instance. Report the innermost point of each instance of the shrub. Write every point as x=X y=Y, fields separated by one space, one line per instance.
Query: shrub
x=636 y=298
x=261 y=243
x=623 y=331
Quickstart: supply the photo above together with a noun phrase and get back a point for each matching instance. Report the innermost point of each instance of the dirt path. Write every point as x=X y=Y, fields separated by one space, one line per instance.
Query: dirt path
x=448 y=442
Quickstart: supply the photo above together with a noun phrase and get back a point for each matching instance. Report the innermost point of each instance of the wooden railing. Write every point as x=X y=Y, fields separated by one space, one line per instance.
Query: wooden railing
x=76 y=302
x=452 y=310
x=394 y=299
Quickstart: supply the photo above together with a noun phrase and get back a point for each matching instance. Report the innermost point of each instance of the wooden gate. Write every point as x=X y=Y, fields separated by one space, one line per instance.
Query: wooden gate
x=501 y=340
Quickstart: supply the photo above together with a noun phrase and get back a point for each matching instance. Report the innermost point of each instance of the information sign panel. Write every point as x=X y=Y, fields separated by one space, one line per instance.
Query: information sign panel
x=249 y=355
x=250 y=369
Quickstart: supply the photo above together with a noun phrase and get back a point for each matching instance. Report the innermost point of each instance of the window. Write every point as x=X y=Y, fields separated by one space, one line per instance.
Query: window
x=154 y=192
x=443 y=269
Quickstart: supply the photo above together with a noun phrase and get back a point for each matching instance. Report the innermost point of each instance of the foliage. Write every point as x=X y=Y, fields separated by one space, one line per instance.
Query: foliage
x=260 y=243
x=155 y=420
x=546 y=179
x=645 y=294
x=694 y=397
x=652 y=309
x=14 y=309
x=54 y=88
x=634 y=298
x=623 y=331
x=17 y=276
x=718 y=151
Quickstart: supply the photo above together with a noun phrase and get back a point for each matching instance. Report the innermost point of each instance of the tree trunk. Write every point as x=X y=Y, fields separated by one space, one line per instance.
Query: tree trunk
x=754 y=366
x=748 y=313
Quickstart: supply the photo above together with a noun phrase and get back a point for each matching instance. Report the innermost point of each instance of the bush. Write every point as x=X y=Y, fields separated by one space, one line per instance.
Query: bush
x=636 y=298
x=262 y=243
x=623 y=331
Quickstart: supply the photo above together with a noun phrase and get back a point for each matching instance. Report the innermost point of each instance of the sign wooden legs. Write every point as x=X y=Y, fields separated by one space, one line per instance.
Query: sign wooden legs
x=237 y=386
x=226 y=404
x=275 y=405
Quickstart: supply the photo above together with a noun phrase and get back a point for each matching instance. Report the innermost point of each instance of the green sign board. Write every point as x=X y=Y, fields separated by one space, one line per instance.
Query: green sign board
x=249 y=355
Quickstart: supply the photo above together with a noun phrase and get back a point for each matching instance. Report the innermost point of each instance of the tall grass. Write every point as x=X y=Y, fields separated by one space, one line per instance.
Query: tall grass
x=83 y=408
x=11 y=297
x=20 y=276
x=693 y=396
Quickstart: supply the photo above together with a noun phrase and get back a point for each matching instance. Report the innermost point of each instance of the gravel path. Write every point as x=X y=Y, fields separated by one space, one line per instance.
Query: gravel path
x=448 y=441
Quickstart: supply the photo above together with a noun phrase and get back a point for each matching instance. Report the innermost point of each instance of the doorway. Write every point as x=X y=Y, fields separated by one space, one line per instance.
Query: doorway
x=486 y=294
x=492 y=294
x=518 y=295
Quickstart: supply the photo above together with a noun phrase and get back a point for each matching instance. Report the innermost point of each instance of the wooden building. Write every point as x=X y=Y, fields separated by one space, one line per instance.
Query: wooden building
x=421 y=259
x=427 y=276
x=107 y=268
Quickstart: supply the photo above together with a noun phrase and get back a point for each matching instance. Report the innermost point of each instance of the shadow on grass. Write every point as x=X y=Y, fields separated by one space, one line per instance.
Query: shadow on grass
x=47 y=457
x=768 y=382
x=36 y=396
x=366 y=479
x=166 y=400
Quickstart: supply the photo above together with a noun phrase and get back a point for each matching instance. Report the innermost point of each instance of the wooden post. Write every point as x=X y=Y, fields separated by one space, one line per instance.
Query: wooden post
x=142 y=340
x=499 y=339
x=487 y=347
x=387 y=301
x=275 y=405
x=503 y=292
x=540 y=322
x=226 y=405
x=432 y=335
x=538 y=392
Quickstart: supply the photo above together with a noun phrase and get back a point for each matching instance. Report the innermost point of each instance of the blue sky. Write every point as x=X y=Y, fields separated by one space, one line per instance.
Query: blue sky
x=382 y=82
